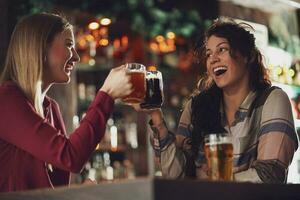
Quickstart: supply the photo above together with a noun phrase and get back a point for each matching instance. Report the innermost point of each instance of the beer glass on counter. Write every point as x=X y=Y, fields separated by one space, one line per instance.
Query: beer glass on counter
x=218 y=150
x=154 y=89
x=137 y=73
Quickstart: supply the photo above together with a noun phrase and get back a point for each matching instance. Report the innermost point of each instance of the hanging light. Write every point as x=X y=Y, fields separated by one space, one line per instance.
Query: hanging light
x=116 y=43
x=103 y=42
x=171 y=35
x=159 y=38
x=114 y=138
x=92 y=62
x=124 y=40
x=94 y=25
x=154 y=46
x=105 y=21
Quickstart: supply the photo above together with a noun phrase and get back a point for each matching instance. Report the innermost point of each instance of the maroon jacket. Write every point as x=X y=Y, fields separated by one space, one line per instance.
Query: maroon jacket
x=28 y=142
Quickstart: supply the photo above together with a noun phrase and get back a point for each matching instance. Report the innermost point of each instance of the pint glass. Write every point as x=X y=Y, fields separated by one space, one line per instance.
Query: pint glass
x=219 y=155
x=154 y=90
x=137 y=73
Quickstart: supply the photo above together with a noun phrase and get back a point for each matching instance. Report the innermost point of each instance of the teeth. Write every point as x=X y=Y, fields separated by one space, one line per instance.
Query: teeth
x=219 y=68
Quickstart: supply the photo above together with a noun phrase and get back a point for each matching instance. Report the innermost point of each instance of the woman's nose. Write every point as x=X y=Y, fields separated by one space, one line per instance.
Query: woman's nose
x=75 y=56
x=214 y=58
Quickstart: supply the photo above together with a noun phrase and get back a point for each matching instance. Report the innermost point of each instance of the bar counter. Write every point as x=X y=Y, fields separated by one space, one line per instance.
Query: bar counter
x=162 y=189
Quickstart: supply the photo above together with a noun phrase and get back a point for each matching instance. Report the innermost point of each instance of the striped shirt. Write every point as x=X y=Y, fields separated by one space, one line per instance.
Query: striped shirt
x=264 y=141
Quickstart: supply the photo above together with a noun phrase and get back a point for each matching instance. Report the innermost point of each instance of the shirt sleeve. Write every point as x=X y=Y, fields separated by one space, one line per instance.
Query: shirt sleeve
x=277 y=138
x=277 y=142
x=184 y=126
x=25 y=129
x=170 y=149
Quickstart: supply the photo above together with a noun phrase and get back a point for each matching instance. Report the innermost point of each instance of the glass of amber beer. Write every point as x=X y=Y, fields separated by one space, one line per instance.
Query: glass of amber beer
x=219 y=155
x=137 y=74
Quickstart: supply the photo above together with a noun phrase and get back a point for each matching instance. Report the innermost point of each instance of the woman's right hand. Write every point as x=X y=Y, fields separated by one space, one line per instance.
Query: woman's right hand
x=157 y=119
x=155 y=114
x=117 y=83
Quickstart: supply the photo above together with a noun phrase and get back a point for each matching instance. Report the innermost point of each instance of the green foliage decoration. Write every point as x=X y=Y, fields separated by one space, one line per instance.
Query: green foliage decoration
x=145 y=17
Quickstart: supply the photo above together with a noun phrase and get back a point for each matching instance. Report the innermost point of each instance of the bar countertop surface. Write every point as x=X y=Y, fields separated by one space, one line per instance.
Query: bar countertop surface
x=159 y=189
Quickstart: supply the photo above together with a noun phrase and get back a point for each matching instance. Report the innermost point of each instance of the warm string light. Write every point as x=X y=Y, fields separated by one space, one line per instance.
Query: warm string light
x=114 y=138
x=161 y=44
x=120 y=43
x=96 y=35
x=94 y=25
x=105 y=21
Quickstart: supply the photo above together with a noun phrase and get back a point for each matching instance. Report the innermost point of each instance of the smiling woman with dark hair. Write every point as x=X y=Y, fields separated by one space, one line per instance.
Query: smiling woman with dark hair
x=234 y=97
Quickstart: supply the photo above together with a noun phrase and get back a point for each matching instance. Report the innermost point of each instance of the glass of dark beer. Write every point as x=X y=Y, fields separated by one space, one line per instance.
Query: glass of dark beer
x=154 y=89
x=137 y=73
x=219 y=155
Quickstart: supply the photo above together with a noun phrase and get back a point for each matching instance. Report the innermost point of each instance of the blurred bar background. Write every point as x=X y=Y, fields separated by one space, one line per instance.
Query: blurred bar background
x=161 y=33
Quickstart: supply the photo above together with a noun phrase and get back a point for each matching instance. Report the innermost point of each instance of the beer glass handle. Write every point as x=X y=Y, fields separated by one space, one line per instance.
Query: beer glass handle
x=126 y=67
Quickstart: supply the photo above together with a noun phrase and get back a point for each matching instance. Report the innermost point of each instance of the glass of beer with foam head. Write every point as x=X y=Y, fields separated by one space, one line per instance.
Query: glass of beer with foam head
x=137 y=73
x=218 y=150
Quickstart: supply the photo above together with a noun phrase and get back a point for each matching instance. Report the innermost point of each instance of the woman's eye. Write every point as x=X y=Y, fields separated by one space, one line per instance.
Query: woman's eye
x=207 y=55
x=223 y=49
x=69 y=45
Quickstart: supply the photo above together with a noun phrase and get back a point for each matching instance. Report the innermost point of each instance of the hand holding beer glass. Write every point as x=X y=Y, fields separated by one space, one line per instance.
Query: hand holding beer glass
x=137 y=73
x=154 y=89
x=147 y=86
x=219 y=155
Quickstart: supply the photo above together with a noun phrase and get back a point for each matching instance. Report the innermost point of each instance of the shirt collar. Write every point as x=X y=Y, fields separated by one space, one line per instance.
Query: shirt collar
x=242 y=111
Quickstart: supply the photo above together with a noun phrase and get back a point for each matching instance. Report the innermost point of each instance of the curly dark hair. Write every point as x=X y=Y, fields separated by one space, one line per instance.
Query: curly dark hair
x=206 y=117
x=240 y=40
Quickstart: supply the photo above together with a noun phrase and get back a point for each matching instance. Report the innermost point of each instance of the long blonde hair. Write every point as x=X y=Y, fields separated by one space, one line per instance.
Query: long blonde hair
x=27 y=53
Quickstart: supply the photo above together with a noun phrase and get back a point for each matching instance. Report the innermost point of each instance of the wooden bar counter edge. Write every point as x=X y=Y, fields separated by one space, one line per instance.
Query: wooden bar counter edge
x=162 y=189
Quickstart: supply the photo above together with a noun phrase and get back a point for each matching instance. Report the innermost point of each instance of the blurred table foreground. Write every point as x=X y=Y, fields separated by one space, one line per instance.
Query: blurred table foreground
x=159 y=189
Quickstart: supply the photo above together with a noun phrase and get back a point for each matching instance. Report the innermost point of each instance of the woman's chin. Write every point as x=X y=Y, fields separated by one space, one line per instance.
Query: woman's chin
x=220 y=85
x=64 y=80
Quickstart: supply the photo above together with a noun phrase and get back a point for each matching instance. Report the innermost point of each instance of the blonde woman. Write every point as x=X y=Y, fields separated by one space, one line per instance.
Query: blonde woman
x=34 y=149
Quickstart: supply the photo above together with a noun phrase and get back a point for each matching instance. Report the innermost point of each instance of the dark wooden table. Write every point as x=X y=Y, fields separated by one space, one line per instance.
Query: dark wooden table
x=162 y=189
